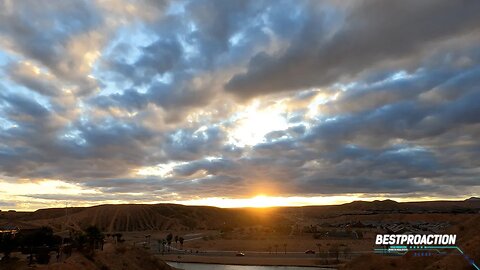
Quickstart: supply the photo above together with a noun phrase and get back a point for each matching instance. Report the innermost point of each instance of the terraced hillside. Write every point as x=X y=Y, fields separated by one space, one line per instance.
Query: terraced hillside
x=138 y=217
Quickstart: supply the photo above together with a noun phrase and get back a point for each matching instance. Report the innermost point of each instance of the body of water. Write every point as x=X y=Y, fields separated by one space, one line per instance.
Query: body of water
x=203 y=266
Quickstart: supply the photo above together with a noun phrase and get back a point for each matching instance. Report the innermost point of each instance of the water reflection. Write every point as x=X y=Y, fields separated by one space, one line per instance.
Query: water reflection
x=201 y=266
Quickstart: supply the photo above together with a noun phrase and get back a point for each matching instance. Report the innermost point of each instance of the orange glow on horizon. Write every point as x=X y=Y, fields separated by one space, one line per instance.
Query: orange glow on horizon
x=27 y=196
x=265 y=201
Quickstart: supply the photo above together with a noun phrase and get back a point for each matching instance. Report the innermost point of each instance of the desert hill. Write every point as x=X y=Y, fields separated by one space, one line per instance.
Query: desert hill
x=386 y=206
x=139 y=217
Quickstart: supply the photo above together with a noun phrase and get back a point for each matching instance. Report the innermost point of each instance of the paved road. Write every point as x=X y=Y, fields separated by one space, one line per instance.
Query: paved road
x=254 y=254
x=231 y=253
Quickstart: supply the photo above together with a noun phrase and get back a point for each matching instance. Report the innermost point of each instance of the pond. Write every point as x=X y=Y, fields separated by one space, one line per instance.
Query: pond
x=203 y=266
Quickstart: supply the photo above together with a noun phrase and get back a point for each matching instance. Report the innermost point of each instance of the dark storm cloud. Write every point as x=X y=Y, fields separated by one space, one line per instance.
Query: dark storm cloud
x=373 y=34
x=400 y=79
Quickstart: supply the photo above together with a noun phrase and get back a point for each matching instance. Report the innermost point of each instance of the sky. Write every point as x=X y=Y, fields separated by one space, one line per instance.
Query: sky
x=238 y=103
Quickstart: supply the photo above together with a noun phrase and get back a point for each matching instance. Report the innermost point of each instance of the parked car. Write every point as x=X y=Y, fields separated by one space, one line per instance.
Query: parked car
x=309 y=251
x=240 y=254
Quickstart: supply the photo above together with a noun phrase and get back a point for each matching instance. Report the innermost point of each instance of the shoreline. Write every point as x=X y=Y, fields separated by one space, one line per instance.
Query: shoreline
x=246 y=261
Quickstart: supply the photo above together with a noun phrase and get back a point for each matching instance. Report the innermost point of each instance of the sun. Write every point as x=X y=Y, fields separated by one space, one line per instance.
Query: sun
x=263 y=201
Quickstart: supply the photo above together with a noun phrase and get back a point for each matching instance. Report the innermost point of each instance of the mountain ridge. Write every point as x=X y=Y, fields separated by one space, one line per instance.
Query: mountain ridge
x=140 y=217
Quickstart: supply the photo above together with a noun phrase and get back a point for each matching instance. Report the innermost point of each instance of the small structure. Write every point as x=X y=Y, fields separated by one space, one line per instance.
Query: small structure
x=10 y=229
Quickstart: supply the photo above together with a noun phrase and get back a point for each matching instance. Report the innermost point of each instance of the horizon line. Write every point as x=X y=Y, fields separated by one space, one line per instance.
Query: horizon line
x=185 y=203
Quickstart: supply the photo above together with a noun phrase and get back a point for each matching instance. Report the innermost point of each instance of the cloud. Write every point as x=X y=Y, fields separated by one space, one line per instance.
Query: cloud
x=7 y=204
x=146 y=100
x=398 y=35
x=211 y=167
x=61 y=37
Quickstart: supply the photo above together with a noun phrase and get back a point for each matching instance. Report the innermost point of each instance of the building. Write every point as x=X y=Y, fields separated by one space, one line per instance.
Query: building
x=11 y=229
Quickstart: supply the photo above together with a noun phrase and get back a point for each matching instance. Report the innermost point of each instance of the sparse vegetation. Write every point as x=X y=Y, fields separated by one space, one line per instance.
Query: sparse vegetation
x=336 y=234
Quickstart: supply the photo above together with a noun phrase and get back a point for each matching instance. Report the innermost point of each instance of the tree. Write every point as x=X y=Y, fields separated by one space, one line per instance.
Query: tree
x=94 y=237
x=40 y=242
x=79 y=240
x=180 y=239
x=162 y=243
x=169 y=240
x=276 y=248
x=8 y=243
x=285 y=248
x=176 y=240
